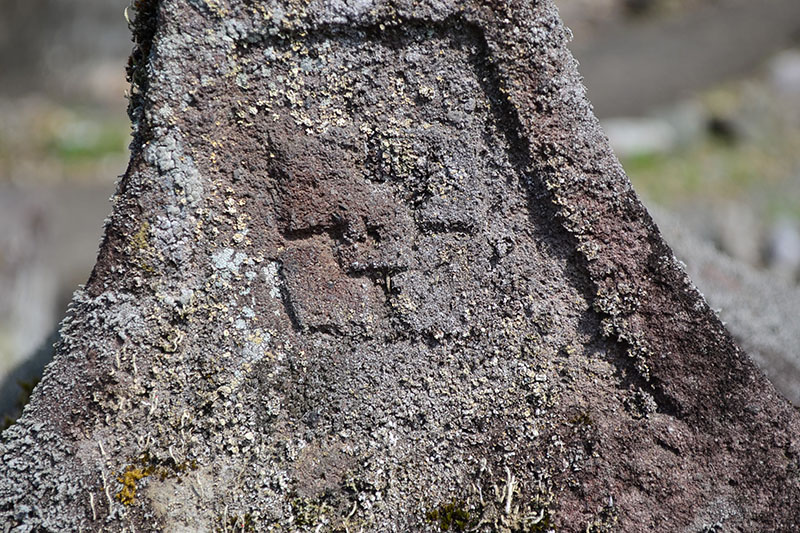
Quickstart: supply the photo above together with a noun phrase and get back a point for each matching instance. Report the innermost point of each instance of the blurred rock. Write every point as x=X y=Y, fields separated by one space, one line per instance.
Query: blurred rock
x=633 y=64
x=738 y=232
x=632 y=137
x=49 y=45
x=639 y=7
x=16 y=386
x=674 y=127
x=48 y=243
x=785 y=71
x=688 y=119
x=759 y=309
x=783 y=252
x=27 y=294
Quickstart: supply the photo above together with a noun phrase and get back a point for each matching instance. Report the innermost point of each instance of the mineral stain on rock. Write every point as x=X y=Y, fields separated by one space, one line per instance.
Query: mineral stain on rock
x=395 y=281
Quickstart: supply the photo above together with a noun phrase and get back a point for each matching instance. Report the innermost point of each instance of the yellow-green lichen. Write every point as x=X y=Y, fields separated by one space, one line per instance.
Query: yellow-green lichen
x=140 y=247
x=148 y=466
x=129 y=479
x=140 y=239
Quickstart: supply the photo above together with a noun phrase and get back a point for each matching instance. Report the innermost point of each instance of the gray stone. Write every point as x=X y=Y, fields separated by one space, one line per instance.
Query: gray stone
x=783 y=253
x=631 y=137
x=737 y=231
x=785 y=72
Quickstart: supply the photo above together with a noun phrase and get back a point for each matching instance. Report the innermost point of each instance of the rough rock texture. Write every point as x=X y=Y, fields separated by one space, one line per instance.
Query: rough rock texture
x=373 y=267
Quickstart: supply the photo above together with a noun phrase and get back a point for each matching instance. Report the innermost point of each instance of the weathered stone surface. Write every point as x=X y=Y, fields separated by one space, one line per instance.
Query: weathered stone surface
x=374 y=267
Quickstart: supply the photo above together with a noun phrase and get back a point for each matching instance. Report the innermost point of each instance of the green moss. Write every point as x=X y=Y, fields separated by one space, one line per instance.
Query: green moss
x=458 y=516
x=581 y=419
x=604 y=521
x=236 y=523
x=309 y=512
x=545 y=525
x=93 y=141
x=166 y=468
x=711 y=170
x=452 y=516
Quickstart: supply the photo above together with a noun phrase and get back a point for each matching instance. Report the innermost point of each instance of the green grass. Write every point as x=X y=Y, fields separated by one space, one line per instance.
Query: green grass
x=87 y=140
x=759 y=172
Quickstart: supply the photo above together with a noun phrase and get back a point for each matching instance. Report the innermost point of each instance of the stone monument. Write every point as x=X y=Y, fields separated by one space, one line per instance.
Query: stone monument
x=374 y=268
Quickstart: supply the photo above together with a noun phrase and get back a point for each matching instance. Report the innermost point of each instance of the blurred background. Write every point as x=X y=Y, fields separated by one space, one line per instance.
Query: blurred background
x=700 y=99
